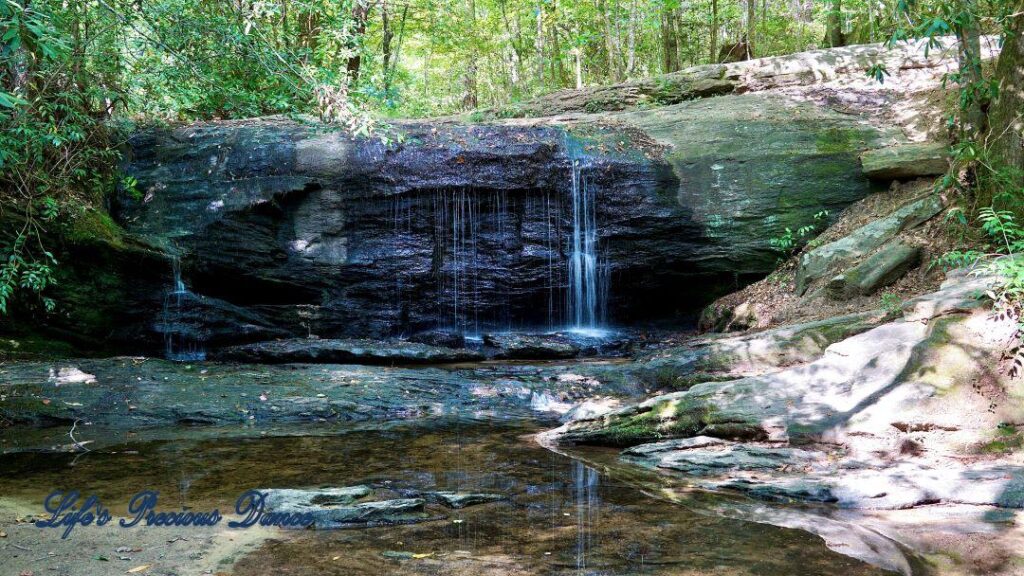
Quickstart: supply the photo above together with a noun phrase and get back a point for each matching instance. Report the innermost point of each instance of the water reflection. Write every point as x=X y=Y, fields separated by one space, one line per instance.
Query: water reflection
x=588 y=502
x=554 y=516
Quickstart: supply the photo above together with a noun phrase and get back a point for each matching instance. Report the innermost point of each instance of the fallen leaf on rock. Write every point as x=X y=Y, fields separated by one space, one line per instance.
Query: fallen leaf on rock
x=138 y=569
x=3 y=534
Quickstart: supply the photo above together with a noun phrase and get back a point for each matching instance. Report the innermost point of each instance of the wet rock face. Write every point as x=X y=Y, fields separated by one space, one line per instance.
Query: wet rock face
x=292 y=229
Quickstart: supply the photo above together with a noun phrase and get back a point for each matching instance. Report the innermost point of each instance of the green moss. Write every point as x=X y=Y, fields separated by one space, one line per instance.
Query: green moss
x=837 y=141
x=34 y=347
x=1008 y=439
x=91 y=226
x=675 y=418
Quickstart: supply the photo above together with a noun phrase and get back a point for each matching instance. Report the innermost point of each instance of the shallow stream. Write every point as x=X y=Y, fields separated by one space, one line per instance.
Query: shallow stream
x=557 y=514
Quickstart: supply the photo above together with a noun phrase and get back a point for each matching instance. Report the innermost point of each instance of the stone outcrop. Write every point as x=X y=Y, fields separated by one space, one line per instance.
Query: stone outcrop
x=720 y=357
x=804 y=403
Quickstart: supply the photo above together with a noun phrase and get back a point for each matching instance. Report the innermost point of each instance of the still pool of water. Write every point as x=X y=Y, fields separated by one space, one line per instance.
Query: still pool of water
x=559 y=515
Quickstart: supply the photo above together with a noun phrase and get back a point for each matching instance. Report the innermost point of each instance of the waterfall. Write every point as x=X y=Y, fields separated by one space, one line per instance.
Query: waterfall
x=181 y=340
x=586 y=294
x=458 y=216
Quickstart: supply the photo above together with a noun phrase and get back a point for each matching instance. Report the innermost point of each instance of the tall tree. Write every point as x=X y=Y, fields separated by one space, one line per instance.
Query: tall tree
x=835 y=24
x=360 y=18
x=751 y=27
x=1006 y=116
x=470 y=99
x=714 y=31
x=965 y=23
x=669 y=42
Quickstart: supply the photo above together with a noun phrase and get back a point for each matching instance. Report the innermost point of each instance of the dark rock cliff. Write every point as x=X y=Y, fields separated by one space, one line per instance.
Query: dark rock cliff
x=287 y=228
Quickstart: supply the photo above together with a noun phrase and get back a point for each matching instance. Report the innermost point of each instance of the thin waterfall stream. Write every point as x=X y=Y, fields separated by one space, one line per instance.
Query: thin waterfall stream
x=586 y=292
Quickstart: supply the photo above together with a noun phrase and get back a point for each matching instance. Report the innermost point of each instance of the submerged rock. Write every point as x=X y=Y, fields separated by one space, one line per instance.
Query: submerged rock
x=463 y=499
x=332 y=508
x=332 y=351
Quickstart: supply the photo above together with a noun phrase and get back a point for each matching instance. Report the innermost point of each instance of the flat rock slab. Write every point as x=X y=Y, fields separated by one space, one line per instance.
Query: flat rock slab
x=713 y=460
x=531 y=347
x=737 y=356
x=906 y=161
x=346 y=351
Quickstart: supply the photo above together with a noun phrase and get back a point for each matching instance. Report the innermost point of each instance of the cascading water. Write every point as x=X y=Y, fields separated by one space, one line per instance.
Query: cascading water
x=181 y=342
x=586 y=294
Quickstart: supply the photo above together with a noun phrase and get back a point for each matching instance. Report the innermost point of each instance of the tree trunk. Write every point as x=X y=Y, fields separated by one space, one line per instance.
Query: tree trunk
x=1005 y=140
x=609 y=42
x=714 y=31
x=969 y=53
x=387 y=34
x=577 y=55
x=557 y=68
x=751 y=4
x=631 y=41
x=360 y=16
x=538 y=43
x=835 y=25
x=516 y=37
x=389 y=72
x=470 y=99
x=669 y=48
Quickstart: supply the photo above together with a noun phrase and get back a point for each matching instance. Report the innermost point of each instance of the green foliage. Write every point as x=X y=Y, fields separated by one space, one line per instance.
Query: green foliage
x=878 y=72
x=789 y=241
x=891 y=303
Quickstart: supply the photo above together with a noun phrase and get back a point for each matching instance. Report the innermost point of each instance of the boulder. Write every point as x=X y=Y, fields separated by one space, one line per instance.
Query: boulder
x=906 y=161
x=879 y=270
x=862 y=241
x=351 y=351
